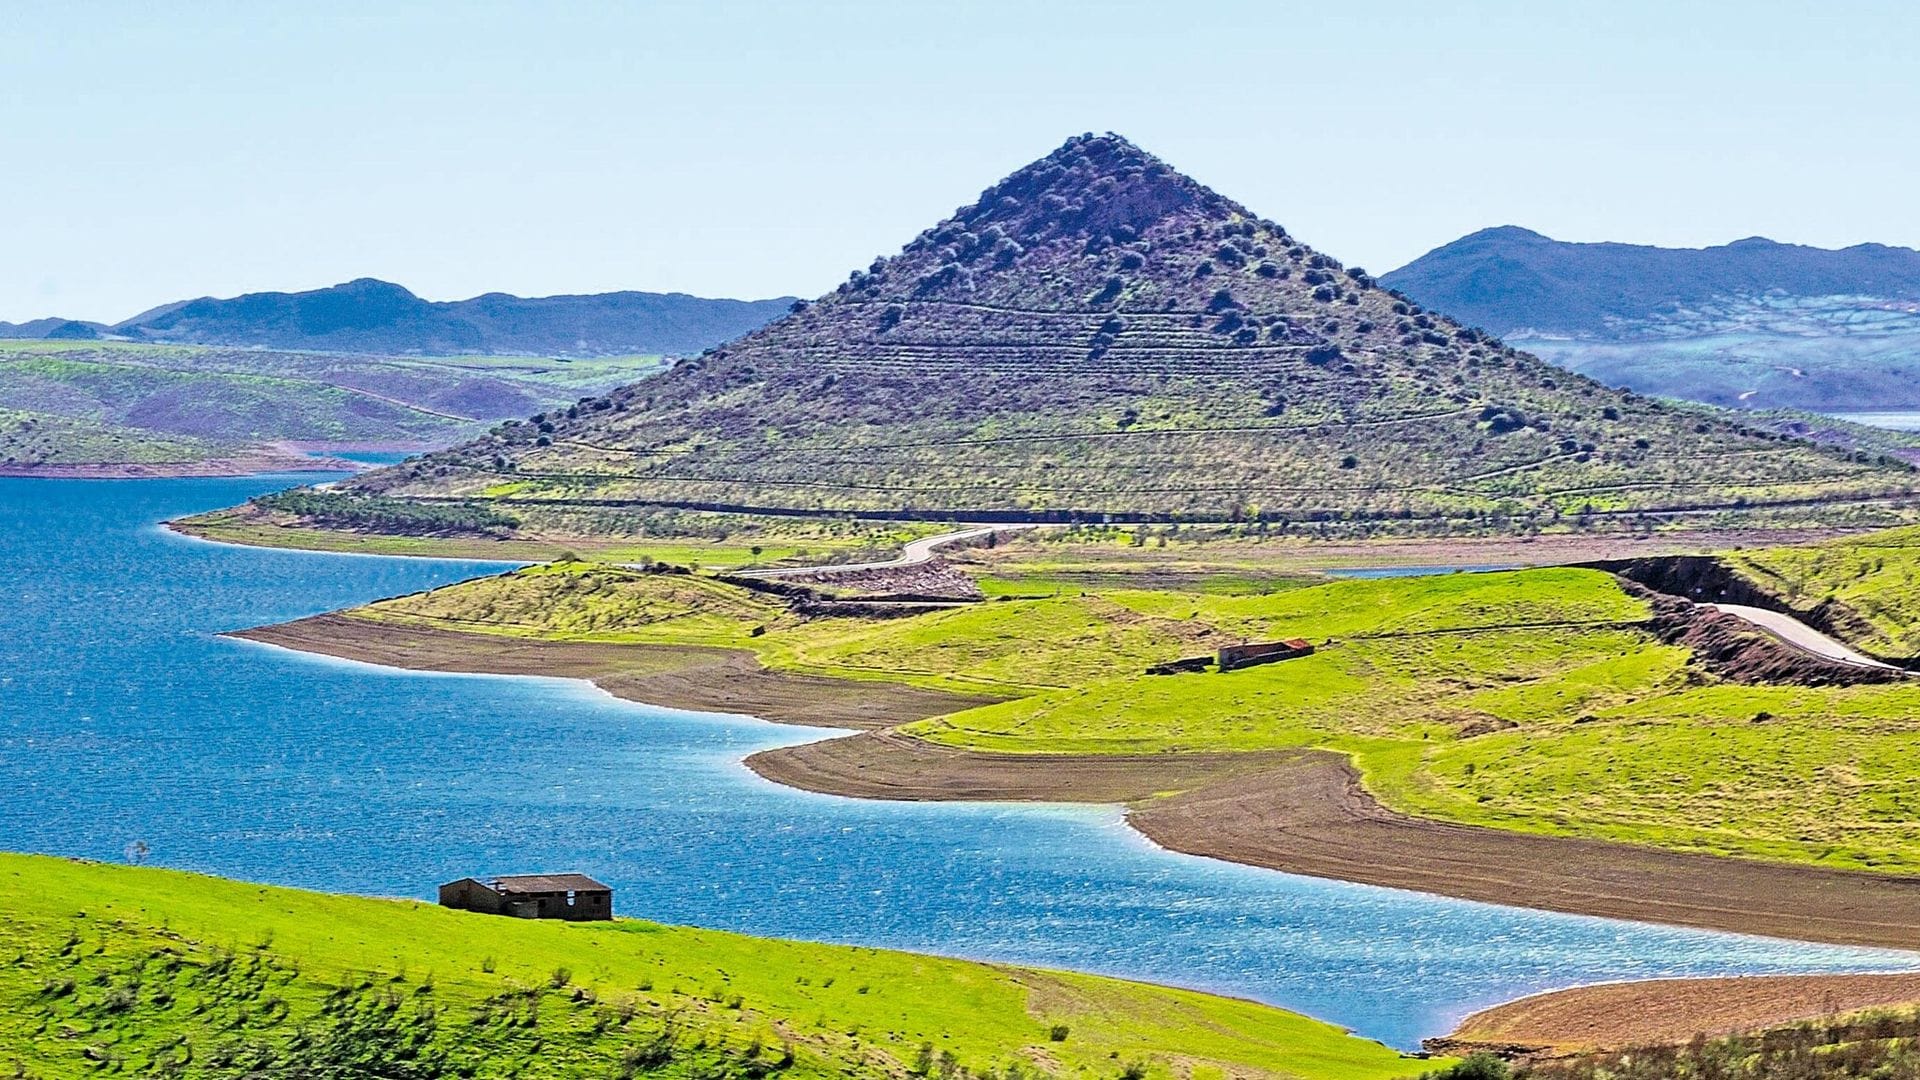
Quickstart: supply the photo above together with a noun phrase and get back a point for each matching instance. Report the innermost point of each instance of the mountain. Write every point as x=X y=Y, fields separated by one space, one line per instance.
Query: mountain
x=1752 y=324
x=1101 y=335
x=1512 y=279
x=56 y=329
x=370 y=316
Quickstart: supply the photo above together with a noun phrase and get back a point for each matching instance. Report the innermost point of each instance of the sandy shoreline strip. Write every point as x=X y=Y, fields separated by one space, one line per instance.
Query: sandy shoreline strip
x=1669 y=1011
x=679 y=677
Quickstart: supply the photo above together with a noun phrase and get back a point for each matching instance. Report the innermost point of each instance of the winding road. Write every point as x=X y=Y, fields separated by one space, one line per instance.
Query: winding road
x=1801 y=636
x=915 y=553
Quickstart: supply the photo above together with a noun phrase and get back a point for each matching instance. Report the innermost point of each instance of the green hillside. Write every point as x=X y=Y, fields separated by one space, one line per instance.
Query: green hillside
x=1542 y=701
x=110 y=970
x=34 y=439
x=1099 y=334
x=202 y=401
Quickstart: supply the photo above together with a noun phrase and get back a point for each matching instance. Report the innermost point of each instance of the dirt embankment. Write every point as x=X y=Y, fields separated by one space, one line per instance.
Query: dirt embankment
x=1305 y=812
x=677 y=677
x=1667 y=1011
x=887 y=765
x=1736 y=650
x=1705 y=579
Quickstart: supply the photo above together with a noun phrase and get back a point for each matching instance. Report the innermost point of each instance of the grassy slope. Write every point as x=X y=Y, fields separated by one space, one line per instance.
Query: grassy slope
x=1525 y=700
x=1876 y=576
x=123 y=969
x=35 y=438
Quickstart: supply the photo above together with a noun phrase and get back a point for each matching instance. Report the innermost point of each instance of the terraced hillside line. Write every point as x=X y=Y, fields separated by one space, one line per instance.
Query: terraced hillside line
x=1305 y=812
x=1670 y=1011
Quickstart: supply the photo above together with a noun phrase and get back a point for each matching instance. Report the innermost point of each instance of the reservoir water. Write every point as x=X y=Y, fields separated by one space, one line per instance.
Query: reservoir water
x=123 y=717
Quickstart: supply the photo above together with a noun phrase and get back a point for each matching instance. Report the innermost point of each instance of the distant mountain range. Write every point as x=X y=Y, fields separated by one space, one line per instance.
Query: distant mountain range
x=1100 y=336
x=1753 y=324
x=1512 y=280
x=378 y=317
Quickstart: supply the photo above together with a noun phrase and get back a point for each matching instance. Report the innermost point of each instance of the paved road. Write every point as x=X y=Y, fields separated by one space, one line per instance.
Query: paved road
x=915 y=553
x=1800 y=635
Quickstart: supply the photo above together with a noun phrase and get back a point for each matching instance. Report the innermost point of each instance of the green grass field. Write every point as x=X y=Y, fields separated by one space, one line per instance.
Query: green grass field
x=1530 y=700
x=107 y=969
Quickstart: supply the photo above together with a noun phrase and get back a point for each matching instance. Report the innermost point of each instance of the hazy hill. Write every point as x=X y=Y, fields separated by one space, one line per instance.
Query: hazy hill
x=101 y=403
x=1753 y=323
x=370 y=316
x=55 y=329
x=1102 y=335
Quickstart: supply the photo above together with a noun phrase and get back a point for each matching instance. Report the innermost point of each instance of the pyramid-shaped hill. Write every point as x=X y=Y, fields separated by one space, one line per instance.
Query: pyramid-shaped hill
x=1100 y=335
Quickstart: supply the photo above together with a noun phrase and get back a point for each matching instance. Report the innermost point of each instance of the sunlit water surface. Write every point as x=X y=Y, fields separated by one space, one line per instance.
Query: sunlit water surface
x=123 y=717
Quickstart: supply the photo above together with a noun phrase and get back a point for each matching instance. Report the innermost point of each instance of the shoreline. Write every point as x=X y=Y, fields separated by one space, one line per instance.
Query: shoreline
x=1297 y=811
x=1221 y=806
x=1618 y=1015
x=181 y=470
x=696 y=678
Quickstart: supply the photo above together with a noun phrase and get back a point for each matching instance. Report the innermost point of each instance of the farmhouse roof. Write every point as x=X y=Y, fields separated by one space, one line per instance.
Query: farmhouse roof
x=546 y=883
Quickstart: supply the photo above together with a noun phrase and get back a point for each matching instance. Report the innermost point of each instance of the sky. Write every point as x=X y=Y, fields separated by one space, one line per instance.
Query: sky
x=155 y=151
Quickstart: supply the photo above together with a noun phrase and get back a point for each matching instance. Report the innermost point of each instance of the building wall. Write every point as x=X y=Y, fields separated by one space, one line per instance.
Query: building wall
x=587 y=906
x=1239 y=656
x=470 y=895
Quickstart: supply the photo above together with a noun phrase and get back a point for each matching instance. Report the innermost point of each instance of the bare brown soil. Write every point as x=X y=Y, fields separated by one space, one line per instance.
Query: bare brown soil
x=1668 y=1011
x=679 y=677
x=886 y=765
x=1313 y=817
x=1305 y=812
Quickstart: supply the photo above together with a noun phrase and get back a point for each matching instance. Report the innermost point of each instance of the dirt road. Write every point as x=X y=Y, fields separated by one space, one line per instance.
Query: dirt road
x=1800 y=635
x=915 y=553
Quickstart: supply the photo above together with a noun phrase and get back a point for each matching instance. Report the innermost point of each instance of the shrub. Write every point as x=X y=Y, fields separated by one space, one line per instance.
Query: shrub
x=1057 y=1033
x=335 y=509
x=1481 y=1066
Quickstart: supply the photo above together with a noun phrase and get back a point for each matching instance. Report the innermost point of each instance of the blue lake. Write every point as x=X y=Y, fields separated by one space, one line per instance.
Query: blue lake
x=122 y=718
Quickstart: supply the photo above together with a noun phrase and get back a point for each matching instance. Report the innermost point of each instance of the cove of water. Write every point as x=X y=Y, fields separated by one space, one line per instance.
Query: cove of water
x=123 y=718
x=1894 y=419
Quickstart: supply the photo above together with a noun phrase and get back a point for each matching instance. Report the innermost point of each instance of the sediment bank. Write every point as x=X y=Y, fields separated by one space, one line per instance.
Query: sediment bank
x=674 y=676
x=1299 y=811
x=1667 y=1011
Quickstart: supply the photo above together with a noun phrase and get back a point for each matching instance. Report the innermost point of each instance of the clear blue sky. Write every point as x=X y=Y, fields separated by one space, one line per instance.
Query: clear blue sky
x=155 y=151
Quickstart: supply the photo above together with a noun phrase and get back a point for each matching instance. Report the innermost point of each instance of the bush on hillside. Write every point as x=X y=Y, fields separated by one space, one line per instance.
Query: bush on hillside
x=377 y=513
